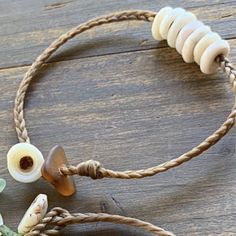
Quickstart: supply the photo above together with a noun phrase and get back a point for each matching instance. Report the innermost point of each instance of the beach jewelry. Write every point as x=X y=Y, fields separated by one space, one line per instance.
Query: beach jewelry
x=37 y=222
x=192 y=39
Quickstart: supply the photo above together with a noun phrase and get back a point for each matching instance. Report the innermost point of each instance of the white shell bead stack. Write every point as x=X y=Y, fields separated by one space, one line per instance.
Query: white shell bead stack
x=191 y=38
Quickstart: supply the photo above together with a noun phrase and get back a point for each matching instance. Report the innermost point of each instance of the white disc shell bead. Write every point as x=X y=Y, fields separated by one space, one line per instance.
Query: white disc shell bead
x=203 y=43
x=177 y=25
x=15 y=155
x=34 y=214
x=191 y=41
x=168 y=20
x=208 y=62
x=157 y=21
x=185 y=32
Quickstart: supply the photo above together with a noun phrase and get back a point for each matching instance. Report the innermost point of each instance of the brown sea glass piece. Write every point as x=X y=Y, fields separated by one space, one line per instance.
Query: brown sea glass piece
x=50 y=171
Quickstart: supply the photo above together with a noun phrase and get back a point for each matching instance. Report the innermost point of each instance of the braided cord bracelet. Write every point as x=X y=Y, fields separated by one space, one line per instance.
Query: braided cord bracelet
x=59 y=218
x=37 y=222
x=181 y=29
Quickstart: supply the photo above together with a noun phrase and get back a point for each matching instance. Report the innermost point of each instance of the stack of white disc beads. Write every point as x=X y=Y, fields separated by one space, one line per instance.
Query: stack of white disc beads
x=191 y=38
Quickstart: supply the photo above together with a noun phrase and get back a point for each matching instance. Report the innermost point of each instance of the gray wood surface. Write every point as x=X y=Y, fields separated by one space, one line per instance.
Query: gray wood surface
x=117 y=96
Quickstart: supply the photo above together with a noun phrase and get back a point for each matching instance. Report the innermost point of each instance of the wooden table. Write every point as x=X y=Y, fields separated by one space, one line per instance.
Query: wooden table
x=117 y=96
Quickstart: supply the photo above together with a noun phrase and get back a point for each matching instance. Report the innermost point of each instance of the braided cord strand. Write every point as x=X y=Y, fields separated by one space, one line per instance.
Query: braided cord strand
x=59 y=218
x=93 y=168
x=41 y=59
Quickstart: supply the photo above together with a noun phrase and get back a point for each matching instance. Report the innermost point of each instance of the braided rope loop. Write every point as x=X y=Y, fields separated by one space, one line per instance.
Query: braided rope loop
x=59 y=218
x=93 y=168
x=41 y=59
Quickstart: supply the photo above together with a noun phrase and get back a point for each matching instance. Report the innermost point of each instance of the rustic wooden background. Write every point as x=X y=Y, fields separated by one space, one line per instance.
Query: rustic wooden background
x=117 y=96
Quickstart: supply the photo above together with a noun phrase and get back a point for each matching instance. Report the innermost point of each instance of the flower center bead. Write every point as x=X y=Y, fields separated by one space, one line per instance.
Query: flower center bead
x=26 y=162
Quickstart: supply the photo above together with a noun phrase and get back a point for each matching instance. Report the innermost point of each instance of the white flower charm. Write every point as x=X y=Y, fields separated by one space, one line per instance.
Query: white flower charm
x=24 y=162
x=34 y=214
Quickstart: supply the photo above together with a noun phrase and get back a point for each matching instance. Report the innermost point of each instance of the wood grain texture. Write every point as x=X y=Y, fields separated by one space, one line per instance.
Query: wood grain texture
x=116 y=96
x=28 y=27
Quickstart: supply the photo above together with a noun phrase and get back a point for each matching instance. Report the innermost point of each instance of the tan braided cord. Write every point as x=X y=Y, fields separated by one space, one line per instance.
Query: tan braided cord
x=41 y=59
x=93 y=168
x=58 y=218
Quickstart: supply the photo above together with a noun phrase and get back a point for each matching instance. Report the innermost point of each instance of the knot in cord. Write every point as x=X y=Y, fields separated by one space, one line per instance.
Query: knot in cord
x=88 y=168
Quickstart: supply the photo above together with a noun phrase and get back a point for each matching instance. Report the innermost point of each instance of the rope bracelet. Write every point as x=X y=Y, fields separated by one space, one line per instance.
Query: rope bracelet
x=37 y=222
x=191 y=38
x=181 y=28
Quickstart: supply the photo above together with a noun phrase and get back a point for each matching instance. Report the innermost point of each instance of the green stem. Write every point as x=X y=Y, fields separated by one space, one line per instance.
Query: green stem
x=5 y=231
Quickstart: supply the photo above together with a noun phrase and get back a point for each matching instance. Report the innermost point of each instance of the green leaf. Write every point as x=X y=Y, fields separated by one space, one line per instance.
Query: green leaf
x=5 y=231
x=2 y=184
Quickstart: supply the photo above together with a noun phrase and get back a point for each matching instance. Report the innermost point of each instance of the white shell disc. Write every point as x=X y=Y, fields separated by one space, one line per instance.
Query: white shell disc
x=34 y=214
x=157 y=21
x=14 y=156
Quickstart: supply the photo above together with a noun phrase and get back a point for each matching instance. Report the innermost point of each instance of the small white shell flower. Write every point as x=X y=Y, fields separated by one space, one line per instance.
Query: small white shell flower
x=24 y=162
x=34 y=214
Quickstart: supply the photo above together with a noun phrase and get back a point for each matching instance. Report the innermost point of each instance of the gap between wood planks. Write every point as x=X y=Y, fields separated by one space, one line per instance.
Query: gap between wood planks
x=232 y=40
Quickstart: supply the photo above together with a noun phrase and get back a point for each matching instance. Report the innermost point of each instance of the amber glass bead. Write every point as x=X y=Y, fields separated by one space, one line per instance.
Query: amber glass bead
x=50 y=171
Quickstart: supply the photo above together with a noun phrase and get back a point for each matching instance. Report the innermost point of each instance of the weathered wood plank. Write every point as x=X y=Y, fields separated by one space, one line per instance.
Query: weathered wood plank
x=29 y=27
x=129 y=110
